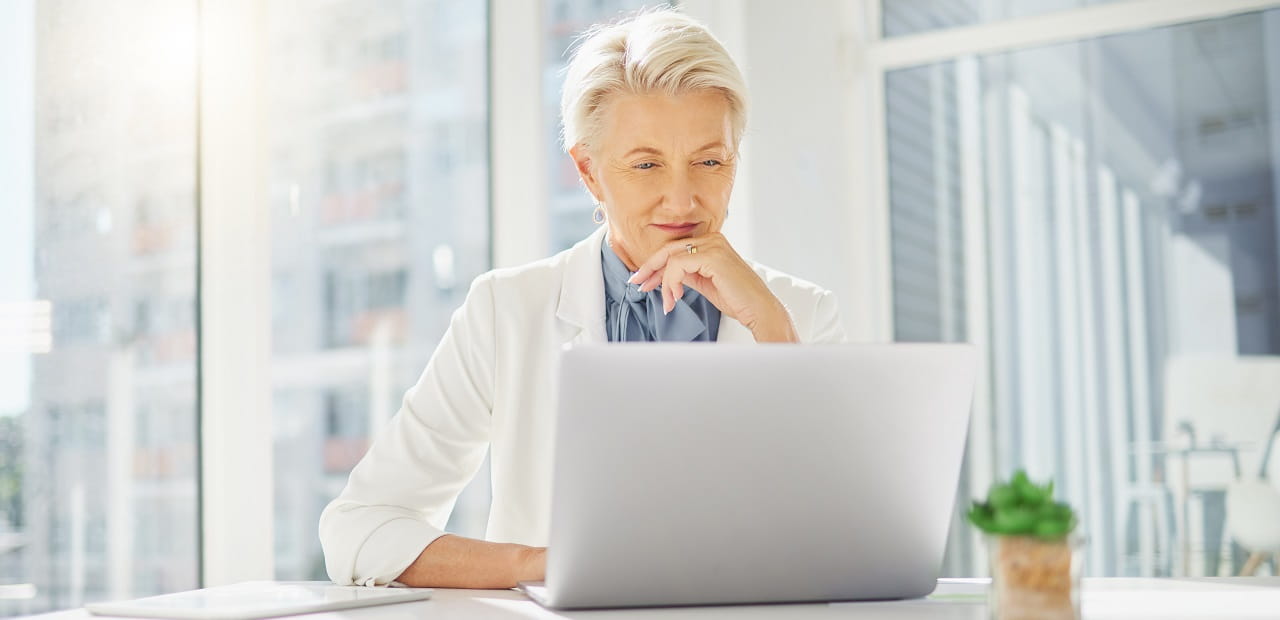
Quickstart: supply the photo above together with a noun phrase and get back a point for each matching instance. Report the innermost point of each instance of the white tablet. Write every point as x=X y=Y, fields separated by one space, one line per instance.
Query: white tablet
x=258 y=599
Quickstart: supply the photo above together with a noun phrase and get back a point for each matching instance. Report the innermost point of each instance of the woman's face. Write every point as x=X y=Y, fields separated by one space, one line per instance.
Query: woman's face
x=663 y=167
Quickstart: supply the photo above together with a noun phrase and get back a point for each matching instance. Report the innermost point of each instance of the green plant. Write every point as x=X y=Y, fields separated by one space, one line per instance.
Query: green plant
x=1022 y=508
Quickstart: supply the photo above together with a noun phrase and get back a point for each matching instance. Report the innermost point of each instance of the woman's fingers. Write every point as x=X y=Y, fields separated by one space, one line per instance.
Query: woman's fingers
x=650 y=279
x=672 y=289
x=651 y=282
x=656 y=263
x=673 y=268
x=648 y=268
x=671 y=277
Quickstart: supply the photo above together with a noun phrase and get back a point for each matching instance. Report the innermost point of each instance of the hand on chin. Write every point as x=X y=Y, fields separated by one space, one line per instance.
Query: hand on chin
x=708 y=264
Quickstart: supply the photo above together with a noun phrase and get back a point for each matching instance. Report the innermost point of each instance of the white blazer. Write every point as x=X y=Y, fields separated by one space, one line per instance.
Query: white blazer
x=490 y=384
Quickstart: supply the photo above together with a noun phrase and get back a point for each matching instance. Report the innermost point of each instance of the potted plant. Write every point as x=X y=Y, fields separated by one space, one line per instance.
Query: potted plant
x=1035 y=564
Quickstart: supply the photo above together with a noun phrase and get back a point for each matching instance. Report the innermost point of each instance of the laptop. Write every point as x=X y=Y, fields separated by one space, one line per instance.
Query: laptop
x=257 y=599
x=688 y=474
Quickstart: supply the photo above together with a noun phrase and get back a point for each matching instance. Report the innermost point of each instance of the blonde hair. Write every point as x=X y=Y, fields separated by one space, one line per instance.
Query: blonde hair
x=657 y=51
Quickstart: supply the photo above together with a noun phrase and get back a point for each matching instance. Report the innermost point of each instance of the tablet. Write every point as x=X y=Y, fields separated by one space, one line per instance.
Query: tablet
x=258 y=599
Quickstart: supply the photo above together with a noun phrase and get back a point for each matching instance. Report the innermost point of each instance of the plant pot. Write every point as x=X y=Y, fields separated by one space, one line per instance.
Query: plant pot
x=1033 y=578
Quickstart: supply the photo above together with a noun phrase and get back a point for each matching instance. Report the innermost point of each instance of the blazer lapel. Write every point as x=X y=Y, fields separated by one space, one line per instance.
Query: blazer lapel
x=581 y=303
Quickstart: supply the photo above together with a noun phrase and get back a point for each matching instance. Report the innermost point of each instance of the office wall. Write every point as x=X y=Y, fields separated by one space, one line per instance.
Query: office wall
x=801 y=202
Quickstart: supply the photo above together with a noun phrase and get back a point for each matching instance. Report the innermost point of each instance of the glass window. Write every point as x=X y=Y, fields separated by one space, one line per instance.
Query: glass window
x=1101 y=214
x=379 y=213
x=97 y=302
x=913 y=16
x=569 y=203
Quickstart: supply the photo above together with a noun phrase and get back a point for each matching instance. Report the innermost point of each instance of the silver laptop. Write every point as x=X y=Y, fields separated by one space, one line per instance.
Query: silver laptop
x=694 y=474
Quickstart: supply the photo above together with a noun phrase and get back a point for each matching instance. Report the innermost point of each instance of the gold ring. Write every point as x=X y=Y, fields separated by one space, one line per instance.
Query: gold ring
x=691 y=248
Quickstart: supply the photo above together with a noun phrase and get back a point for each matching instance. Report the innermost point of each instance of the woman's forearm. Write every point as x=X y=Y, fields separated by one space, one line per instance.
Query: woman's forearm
x=457 y=562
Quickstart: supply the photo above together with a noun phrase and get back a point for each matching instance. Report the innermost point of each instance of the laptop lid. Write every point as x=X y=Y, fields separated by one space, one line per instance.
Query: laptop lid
x=692 y=474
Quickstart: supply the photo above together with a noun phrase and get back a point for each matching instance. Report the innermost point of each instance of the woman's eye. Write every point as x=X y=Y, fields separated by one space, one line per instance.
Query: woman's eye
x=710 y=162
x=645 y=165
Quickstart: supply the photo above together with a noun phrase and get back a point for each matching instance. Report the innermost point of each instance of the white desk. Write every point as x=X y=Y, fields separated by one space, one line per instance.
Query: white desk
x=1218 y=598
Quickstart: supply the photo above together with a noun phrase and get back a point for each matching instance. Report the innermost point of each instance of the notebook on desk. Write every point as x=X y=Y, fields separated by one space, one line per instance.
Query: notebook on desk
x=257 y=599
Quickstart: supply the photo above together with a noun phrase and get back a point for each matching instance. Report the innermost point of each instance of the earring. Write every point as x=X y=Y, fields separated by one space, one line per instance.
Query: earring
x=598 y=215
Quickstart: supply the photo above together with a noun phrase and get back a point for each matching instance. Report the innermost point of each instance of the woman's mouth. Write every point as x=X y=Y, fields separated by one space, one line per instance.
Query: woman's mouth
x=680 y=228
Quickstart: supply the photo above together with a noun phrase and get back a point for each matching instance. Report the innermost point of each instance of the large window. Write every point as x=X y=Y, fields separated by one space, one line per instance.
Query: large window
x=1096 y=214
x=97 y=301
x=379 y=212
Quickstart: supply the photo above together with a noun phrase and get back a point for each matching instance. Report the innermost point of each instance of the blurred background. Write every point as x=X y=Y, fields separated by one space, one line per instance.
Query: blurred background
x=1086 y=189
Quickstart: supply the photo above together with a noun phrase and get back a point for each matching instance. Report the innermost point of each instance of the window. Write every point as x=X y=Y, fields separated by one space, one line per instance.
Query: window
x=1093 y=212
x=379 y=213
x=97 y=297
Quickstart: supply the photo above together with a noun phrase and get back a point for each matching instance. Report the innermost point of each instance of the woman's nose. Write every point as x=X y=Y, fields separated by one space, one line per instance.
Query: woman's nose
x=681 y=195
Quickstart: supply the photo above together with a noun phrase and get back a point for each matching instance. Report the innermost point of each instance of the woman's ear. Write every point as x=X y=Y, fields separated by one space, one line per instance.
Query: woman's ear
x=582 y=161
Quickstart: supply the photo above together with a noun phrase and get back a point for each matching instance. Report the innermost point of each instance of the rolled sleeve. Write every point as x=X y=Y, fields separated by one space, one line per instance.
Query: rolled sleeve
x=390 y=549
x=399 y=495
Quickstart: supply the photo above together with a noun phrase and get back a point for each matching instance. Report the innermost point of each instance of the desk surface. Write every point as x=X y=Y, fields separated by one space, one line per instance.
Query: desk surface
x=1219 y=598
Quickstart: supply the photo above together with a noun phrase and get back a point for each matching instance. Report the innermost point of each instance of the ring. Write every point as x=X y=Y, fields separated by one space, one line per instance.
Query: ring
x=691 y=248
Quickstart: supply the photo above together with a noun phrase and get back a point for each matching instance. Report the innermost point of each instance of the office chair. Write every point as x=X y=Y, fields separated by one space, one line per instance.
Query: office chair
x=1253 y=512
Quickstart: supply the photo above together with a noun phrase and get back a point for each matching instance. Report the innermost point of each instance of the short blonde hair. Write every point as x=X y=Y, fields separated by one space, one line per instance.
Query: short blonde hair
x=658 y=51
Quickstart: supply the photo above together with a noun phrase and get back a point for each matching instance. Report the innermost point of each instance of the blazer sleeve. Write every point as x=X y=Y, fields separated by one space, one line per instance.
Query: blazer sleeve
x=827 y=328
x=399 y=496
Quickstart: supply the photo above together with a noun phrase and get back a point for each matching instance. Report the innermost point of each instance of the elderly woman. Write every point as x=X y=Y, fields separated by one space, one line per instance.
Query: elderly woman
x=654 y=110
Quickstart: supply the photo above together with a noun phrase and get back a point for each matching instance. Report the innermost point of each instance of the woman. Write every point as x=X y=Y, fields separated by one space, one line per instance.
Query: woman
x=654 y=110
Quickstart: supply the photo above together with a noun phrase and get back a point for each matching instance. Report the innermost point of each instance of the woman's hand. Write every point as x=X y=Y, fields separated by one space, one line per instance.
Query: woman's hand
x=716 y=270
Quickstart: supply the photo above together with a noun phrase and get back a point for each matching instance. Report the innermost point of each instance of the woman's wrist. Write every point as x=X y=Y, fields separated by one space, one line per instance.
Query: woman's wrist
x=452 y=561
x=530 y=564
x=774 y=326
